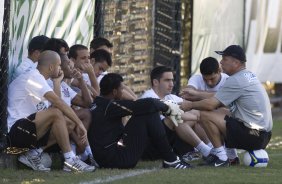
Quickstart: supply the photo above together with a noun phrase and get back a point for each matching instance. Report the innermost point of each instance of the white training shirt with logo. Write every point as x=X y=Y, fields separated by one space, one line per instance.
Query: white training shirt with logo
x=26 y=96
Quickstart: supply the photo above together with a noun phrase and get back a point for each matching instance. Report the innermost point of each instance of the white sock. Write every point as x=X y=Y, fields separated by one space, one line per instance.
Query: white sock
x=83 y=156
x=221 y=153
x=204 y=149
x=88 y=150
x=69 y=156
x=231 y=153
x=210 y=145
x=73 y=147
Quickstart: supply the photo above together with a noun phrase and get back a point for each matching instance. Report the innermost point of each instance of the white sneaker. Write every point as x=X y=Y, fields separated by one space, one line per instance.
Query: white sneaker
x=66 y=169
x=33 y=162
x=77 y=165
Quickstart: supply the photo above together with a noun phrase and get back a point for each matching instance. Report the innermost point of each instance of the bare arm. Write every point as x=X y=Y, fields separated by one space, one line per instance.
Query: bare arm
x=57 y=83
x=128 y=94
x=67 y=111
x=84 y=99
x=88 y=68
x=208 y=104
x=192 y=94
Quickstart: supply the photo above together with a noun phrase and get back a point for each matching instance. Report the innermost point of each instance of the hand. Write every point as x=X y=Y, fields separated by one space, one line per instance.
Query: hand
x=76 y=74
x=186 y=105
x=59 y=78
x=174 y=112
x=87 y=68
x=81 y=132
x=187 y=92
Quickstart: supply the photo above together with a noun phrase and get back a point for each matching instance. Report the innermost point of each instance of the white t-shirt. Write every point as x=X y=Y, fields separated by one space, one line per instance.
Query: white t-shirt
x=86 y=79
x=25 y=66
x=100 y=77
x=67 y=93
x=26 y=96
x=151 y=94
x=198 y=82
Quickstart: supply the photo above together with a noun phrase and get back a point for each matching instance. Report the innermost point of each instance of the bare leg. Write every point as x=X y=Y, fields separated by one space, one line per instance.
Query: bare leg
x=214 y=125
x=55 y=119
x=186 y=133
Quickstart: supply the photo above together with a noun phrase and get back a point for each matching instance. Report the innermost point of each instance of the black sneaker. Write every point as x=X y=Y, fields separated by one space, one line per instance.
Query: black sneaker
x=235 y=161
x=91 y=161
x=178 y=164
x=220 y=163
x=209 y=160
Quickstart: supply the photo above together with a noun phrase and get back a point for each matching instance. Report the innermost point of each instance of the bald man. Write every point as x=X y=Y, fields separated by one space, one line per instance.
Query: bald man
x=36 y=116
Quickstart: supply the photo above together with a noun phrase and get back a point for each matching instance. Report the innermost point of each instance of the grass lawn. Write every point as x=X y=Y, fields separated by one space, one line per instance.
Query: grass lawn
x=151 y=172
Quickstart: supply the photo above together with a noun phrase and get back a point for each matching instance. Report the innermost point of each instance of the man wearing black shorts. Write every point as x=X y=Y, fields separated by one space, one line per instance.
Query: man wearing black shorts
x=34 y=124
x=248 y=125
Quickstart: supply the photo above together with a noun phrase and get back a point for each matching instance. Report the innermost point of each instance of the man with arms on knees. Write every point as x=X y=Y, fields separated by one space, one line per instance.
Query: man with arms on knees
x=248 y=125
x=205 y=85
x=117 y=146
x=33 y=125
x=162 y=84
x=82 y=100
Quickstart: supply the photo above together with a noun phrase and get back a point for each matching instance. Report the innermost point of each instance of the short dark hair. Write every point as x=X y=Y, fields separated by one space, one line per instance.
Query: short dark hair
x=101 y=55
x=37 y=43
x=158 y=71
x=110 y=82
x=55 y=44
x=99 y=42
x=73 y=50
x=209 y=66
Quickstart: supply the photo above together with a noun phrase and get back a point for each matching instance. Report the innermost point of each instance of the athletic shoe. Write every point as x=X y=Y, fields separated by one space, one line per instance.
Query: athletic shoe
x=235 y=161
x=33 y=162
x=77 y=165
x=178 y=164
x=209 y=159
x=191 y=156
x=91 y=161
x=220 y=163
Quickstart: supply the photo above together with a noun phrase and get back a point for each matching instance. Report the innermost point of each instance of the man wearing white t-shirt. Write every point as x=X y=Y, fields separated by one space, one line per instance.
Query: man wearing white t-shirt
x=35 y=47
x=82 y=100
x=100 y=43
x=34 y=124
x=79 y=54
x=162 y=85
x=205 y=85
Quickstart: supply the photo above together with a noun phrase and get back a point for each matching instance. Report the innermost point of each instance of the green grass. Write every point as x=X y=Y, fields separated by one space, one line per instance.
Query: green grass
x=154 y=174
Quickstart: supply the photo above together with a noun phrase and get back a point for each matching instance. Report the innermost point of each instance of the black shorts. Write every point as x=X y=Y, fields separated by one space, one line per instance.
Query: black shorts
x=242 y=137
x=23 y=134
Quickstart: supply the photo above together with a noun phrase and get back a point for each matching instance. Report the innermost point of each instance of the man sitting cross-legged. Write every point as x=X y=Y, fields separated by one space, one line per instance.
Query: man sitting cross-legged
x=33 y=125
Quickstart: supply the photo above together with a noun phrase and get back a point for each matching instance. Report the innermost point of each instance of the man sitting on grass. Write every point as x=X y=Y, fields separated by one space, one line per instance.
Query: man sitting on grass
x=117 y=146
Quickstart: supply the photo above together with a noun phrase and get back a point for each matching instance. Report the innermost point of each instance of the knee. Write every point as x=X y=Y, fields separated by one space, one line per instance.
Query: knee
x=56 y=113
x=70 y=126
